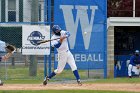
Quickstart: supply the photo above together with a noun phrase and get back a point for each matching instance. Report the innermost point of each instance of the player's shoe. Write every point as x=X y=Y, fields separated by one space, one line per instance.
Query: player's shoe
x=79 y=82
x=45 y=80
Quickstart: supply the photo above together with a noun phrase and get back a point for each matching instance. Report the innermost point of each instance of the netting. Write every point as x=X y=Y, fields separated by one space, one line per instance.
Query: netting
x=14 y=14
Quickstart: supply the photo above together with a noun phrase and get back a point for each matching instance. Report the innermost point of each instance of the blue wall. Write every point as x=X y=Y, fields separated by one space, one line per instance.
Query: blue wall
x=78 y=17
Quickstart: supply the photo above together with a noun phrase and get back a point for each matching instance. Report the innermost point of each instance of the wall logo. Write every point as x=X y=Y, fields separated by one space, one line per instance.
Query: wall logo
x=35 y=37
x=82 y=17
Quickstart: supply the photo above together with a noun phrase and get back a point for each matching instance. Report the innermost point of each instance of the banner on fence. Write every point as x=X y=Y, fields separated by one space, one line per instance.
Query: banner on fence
x=31 y=35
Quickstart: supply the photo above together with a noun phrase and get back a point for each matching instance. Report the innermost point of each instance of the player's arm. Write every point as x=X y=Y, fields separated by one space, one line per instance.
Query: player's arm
x=10 y=49
x=66 y=35
x=5 y=57
x=56 y=43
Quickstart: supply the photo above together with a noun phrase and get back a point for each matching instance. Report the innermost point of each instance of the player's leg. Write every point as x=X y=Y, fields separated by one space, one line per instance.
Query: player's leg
x=61 y=64
x=58 y=70
x=130 y=70
x=73 y=66
x=139 y=72
x=62 y=59
x=135 y=70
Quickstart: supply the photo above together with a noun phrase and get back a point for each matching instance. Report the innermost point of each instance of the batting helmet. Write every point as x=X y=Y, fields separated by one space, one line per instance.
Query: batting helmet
x=56 y=28
x=137 y=52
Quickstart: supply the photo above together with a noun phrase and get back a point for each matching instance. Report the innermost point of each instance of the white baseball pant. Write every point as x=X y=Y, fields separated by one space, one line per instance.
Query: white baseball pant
x=134 y=69
x=63 y=58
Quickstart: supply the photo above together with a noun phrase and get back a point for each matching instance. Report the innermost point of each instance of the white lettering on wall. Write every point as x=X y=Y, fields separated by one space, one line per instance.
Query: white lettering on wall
x=82 y=19
x=86 y=57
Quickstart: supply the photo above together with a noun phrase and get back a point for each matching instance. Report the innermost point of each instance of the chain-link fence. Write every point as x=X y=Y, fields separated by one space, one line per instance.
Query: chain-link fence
x=18 y=66
x=14 y=14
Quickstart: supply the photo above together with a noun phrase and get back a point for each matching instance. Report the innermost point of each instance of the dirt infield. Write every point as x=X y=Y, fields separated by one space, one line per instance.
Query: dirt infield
x=109 y=86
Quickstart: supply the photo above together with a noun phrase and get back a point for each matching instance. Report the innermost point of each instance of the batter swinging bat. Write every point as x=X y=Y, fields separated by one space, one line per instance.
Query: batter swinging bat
x=44 y=41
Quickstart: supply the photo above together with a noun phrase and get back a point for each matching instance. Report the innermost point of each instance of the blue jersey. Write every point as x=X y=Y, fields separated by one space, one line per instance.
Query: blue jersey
x=134 y=60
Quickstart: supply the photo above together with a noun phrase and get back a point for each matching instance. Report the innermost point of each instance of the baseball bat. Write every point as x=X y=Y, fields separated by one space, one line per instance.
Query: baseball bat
x=44 y=41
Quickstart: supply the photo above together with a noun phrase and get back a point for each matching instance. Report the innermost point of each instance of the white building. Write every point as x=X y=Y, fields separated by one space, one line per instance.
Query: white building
x=19 y=11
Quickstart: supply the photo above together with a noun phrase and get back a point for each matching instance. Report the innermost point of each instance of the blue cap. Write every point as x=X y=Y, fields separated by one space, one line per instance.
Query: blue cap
x=137 y=51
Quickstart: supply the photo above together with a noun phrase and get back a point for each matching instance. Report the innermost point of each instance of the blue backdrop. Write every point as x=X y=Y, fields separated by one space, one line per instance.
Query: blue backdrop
x=86 y=21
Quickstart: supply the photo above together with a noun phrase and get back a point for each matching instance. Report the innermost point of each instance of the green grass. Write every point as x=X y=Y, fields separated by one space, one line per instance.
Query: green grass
x=22 y=72
x=61 y=91
x=20 y=75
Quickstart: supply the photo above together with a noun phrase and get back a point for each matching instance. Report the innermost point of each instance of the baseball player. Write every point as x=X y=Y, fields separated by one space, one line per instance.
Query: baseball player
x=64 y=54
x=134 y=65
x=9 y=49
x=4 y=58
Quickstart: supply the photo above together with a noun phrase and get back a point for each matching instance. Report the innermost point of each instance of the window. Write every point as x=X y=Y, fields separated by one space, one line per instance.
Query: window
x=11 y=10
x=39 y=12
x=11 y=16
x=126 y=39
x=12 y=5
x=137 y=9
x=120 y=8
